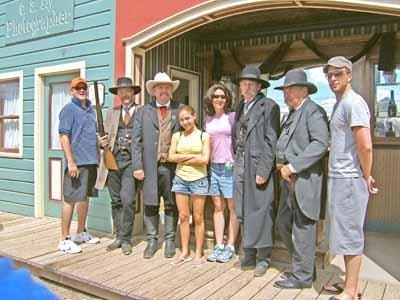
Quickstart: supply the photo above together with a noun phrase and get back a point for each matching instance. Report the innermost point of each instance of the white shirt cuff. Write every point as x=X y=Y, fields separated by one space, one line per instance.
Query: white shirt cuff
x=293 y=170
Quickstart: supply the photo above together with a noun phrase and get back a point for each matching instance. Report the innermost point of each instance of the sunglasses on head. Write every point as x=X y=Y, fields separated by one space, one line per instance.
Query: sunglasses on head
x=336 y=74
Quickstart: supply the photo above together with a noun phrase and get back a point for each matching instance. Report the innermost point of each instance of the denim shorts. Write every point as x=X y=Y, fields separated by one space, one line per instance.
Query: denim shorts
x=221 y=183
x=195 y=187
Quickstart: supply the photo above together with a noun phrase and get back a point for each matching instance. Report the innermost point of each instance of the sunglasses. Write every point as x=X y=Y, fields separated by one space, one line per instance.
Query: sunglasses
x=218 y=96
x=78 y=88
x=335 y=74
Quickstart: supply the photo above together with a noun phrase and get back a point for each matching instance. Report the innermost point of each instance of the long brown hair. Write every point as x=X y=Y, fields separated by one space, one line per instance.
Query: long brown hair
x=209 y=108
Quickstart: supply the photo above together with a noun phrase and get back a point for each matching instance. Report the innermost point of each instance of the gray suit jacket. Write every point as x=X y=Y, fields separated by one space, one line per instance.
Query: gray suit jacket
x=145 y=138
x=306 y=147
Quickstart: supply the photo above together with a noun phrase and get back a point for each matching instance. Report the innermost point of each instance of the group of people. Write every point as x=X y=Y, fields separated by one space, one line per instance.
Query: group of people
x=160 y=148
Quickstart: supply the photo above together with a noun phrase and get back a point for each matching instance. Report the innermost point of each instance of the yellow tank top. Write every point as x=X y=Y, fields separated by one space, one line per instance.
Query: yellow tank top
x=191 y=144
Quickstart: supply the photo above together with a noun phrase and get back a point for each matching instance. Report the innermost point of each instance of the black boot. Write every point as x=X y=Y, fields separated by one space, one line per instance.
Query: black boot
x=263 y=260
x=151 y=223
x=248 y=262
x=170 y=235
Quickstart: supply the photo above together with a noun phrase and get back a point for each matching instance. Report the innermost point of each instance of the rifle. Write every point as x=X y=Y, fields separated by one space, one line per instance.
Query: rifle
x=109 y=159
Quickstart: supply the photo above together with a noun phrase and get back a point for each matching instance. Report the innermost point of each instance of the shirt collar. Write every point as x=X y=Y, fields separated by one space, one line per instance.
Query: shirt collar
x=298 y=107
x=79 y=103
x=159 y=105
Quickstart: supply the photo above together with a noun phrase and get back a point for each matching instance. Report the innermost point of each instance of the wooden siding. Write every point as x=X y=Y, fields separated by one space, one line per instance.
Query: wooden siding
x=92 y=41
x=178 y=52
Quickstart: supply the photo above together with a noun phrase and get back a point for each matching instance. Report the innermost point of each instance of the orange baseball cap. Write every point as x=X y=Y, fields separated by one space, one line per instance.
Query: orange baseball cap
x=78 y=80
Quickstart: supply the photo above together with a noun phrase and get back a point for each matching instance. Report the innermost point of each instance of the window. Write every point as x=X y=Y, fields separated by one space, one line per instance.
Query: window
x=387 y=99
x=324 y=97
x=10 y=114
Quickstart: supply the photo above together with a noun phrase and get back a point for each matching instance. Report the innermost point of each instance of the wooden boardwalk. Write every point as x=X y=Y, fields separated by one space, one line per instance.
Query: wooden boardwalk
x=33 y=243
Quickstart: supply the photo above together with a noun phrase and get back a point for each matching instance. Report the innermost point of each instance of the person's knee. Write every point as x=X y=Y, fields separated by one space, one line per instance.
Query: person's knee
x=219 y=206
x=183 y=217
x=232 y=207
x=198 y=218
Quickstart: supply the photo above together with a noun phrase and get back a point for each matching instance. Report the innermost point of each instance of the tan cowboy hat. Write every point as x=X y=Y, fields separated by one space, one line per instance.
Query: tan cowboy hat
x=161 y=78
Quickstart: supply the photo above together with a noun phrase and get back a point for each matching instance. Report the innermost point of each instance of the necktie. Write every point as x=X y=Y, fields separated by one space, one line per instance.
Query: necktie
x=163 y=111
x=127 y=116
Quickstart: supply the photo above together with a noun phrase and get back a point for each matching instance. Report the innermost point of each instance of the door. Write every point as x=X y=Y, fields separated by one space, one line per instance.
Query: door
x=56 y=95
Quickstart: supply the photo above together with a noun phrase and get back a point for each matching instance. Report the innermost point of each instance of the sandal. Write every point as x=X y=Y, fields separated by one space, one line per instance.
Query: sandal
x=181 y=260
x=198 y=262
x=337 y=288
x=346 y=297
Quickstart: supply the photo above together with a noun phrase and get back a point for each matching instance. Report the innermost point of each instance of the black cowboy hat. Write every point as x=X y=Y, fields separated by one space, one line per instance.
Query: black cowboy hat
x=298 y=77
x=125 y=82
x=254 y=74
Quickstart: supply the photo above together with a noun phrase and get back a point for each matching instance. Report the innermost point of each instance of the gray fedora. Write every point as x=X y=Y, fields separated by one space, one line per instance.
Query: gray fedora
x=125 y=82
x=254 y=74
x=298 y=77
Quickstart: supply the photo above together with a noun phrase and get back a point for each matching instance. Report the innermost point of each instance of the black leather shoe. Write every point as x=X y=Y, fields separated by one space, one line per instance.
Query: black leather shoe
x=126 y=248
x=114 y=245
x=169 y=249
x=150 y=250
x=290 y=283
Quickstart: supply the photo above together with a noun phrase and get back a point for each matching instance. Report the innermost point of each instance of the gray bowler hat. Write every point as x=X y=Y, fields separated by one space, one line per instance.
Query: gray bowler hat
x=253 y=73
x=125 y=82
x=298 y=77
x=338 y=62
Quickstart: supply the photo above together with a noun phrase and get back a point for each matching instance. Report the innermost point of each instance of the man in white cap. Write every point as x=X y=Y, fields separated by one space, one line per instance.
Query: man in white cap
x=152 y=131
x=349 y=177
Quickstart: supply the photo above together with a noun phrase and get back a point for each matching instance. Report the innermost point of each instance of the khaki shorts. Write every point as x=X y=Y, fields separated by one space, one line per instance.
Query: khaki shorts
x=79 y=189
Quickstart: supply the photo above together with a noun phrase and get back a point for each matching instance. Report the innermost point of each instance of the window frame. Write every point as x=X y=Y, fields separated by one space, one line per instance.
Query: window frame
x=4 y=77
x=377 y=140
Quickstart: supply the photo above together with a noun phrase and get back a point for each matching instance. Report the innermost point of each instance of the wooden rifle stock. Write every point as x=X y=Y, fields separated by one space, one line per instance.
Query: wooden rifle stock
x=109 y=159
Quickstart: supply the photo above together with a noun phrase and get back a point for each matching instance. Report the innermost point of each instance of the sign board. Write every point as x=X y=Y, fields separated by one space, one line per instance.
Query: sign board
x=31 y=19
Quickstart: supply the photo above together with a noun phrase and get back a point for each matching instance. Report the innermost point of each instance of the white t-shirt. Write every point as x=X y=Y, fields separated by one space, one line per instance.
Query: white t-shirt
x=350 y=111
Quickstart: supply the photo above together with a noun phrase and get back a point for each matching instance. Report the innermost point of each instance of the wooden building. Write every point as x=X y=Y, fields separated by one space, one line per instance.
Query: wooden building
x=197 y=42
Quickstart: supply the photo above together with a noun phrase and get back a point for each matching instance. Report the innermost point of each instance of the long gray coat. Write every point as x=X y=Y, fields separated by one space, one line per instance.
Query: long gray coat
x=145 y=139
x=111 y=128
x=305 y=149
x=255 y=209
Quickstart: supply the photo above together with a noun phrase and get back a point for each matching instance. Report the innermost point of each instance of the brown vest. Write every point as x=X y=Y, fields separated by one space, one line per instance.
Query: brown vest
x=164 y=138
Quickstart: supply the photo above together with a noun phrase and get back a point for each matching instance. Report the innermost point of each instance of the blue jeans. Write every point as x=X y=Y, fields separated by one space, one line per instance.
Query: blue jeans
x=195 y=187
x=221 y=182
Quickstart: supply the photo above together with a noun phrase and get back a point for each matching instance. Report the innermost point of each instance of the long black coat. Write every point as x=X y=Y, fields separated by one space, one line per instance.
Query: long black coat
x=145 y=139
x=255 y=209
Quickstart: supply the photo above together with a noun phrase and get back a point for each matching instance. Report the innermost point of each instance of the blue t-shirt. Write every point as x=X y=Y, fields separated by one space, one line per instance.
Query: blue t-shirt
x=81 y=126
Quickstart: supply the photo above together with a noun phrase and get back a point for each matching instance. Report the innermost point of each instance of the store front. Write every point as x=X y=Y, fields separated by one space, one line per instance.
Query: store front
x=214 y=40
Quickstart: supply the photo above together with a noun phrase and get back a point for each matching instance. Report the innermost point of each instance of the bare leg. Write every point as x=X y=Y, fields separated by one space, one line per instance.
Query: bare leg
x=66 y=218
x=352 y=265
x=219 y=219
x=233 y=222
x=198 y=216
x=182 y=203
x=82 y=209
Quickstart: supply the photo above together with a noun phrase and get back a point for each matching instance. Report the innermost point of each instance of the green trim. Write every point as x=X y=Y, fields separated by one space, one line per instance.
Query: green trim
x=382 y=227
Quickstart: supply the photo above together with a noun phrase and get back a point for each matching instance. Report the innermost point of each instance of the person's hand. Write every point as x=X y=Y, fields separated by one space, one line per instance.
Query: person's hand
x=285 y=172
x=260 y=180
x=371 y=185
x=279 y=166
x=103 y=141
x=73 y=170
x=138 y=174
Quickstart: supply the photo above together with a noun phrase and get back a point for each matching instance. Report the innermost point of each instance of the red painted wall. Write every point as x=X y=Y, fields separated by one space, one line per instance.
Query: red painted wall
x=136 y=15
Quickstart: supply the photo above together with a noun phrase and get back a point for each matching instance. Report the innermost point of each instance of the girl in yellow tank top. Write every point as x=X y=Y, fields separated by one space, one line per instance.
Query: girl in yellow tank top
x=190 y=149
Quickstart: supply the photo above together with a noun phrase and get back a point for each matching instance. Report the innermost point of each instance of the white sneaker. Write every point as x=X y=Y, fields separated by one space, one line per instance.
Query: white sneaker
x=85 y=237
x=68 y=246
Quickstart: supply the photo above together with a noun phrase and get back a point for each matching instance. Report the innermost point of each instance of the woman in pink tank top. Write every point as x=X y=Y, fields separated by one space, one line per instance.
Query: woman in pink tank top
x=218 y=124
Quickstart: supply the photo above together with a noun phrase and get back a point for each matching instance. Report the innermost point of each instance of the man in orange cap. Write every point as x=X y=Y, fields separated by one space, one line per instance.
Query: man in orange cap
x=78 y=139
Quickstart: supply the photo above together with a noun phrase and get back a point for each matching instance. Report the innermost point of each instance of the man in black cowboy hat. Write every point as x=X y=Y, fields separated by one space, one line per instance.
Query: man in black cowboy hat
x=254 y=136
x=121 y=183
x=301 y=147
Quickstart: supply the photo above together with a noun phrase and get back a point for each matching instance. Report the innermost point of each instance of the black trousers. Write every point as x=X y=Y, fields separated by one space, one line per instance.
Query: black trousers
x=121 y=185
x=165 y=175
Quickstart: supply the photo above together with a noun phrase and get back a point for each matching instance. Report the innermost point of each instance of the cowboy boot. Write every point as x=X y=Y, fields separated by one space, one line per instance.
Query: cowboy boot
x=170 y=234
x=151 y=223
